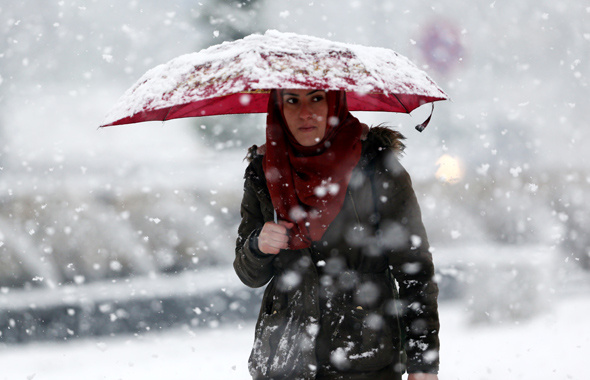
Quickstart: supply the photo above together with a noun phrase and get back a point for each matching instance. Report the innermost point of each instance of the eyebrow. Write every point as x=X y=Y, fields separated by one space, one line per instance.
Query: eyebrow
x=308 y=94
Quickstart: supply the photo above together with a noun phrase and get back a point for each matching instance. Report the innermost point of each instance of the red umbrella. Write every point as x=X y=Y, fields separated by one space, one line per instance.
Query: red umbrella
x=236 y=77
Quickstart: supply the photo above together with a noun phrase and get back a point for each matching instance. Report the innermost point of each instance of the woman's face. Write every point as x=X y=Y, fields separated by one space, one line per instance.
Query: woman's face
x=306 y=113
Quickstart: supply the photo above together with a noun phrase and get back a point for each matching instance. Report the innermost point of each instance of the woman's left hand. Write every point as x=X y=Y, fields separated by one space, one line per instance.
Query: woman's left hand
x=422 y=376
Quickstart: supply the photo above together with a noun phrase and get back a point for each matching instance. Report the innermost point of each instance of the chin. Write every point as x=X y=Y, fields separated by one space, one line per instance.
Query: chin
x=309 y=143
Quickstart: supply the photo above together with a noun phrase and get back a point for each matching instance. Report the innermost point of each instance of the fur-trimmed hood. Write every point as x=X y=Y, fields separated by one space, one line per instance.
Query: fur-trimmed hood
x=382 y=138
x=377 y=139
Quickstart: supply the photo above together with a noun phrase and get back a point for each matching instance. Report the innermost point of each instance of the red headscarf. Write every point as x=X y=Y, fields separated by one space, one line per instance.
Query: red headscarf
x=308 y=185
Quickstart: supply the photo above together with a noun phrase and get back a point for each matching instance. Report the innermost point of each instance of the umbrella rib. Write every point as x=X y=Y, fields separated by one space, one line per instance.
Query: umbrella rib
x=400 y=102
x=167 y=113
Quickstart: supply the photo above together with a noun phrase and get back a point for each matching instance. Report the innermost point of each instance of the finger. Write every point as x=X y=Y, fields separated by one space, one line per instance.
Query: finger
x=272 y=230
x=268 y=250
x=278 y=239
x=272 y=227
x=274 y=238
x=269 y=246
x=273 y=241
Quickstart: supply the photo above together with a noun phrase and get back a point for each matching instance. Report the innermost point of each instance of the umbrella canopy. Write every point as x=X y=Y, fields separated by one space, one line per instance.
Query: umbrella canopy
x=236 y=77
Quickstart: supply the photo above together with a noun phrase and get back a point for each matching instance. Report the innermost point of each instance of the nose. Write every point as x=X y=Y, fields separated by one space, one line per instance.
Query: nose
x=305 y=111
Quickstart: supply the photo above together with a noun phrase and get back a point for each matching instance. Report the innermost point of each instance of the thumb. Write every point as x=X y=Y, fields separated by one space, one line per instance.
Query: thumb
x=286 y=224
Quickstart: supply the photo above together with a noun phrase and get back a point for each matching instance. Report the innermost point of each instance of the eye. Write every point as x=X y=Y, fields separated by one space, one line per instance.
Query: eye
x=318 y=98
x=291 y=100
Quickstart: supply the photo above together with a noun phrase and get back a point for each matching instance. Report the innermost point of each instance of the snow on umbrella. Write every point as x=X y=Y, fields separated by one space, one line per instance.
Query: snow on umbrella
x=236 y=77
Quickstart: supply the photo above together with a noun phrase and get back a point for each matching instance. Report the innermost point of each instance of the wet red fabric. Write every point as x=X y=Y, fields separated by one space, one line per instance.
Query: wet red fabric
x=308 y=185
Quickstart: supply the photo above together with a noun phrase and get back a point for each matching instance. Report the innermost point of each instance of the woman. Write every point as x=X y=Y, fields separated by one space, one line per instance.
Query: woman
x=348 y=231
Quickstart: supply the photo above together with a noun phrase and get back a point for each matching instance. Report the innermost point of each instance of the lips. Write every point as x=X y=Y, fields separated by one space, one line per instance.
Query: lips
x=307 y=128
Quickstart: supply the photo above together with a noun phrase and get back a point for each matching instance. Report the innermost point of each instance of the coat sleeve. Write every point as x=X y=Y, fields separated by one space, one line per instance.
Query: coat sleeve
x=253 y=267
x=412 y=267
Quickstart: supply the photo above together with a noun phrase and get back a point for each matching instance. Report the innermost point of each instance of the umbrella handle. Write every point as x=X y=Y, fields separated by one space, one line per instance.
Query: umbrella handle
x=422 y=127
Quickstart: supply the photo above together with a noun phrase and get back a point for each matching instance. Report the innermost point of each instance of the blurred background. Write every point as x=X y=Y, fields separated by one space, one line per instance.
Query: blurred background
x=123 y=233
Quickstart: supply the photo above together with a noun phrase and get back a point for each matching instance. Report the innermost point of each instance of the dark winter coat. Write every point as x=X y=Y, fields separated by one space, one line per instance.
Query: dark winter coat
x=331 y=311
